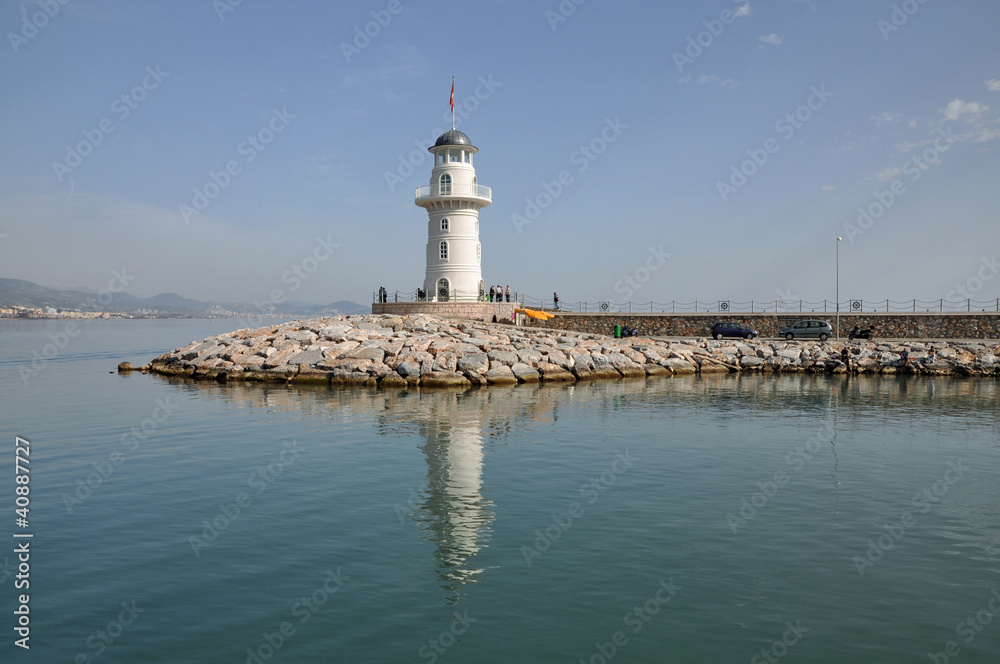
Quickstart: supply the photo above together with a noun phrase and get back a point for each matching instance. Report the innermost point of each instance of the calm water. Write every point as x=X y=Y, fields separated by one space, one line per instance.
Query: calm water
x=590 y=522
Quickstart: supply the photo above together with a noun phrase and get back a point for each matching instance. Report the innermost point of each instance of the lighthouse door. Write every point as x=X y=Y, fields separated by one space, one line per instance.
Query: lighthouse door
x=443 y=290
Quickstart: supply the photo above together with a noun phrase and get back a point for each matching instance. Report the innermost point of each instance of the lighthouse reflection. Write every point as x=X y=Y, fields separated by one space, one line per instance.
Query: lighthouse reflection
x=451 y=511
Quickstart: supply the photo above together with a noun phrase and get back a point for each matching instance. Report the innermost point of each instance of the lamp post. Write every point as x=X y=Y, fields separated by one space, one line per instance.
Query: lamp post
x=838 y=286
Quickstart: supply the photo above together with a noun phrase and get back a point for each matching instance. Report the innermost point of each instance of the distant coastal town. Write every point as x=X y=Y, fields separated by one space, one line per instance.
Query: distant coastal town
x=52 y=312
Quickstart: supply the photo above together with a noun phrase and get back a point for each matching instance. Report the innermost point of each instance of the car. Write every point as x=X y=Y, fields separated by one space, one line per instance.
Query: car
x=727 y=328
x=808 y=328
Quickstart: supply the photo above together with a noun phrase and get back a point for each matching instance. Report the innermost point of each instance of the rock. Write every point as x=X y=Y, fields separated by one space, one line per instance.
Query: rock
x=302 y=336
x=444 y=379
x=366 y=353
x=502 y=357
x=279 y=358
x=550 y=372
x=501 y=374
x=678 y=366
x=525 y=373
x=125 y=367
x=307 y=357
x=529 y=357
x=751 y=362
x=392 y=380
x=631 y=370
x=478 y=363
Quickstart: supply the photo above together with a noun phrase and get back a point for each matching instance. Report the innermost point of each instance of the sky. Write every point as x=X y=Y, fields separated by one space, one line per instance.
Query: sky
x=637 y=151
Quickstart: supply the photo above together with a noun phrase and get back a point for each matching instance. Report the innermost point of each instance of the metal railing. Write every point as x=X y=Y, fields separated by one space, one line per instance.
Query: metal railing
x=792 y=307
x=437 y=190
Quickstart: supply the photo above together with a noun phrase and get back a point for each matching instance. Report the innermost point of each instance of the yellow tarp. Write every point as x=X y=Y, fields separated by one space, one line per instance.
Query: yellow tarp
x=540 y=315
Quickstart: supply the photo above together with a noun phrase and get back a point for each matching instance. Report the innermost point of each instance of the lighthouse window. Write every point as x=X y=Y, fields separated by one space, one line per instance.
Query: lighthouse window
x=444 y=224
x=479 y=253
x=467 y=157
x=453 y=155
x=444 y=250
x=445 y=185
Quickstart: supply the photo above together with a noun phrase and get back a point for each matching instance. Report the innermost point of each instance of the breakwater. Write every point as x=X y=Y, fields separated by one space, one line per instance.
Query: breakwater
x=423 y=350
x=926 y=325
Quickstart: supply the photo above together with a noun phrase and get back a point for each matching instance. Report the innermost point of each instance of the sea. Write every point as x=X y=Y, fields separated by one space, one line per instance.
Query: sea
x=701 y=519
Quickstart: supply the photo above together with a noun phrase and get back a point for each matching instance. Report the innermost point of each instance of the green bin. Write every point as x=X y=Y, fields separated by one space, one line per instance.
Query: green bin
x=618 y=331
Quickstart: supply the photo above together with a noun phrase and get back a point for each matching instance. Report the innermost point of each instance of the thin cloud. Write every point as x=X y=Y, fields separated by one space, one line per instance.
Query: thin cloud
x=958 y=108
x=772 y=38
x=993 y=85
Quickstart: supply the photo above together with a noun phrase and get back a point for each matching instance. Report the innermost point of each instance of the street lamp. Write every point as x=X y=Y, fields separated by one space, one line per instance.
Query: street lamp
x=838 y=286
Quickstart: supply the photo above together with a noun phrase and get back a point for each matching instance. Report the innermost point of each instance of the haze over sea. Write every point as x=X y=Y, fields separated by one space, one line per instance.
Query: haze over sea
x=697 y=519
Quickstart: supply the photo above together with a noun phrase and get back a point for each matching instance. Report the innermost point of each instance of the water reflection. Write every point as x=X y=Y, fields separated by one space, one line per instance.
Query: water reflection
x=457 y=431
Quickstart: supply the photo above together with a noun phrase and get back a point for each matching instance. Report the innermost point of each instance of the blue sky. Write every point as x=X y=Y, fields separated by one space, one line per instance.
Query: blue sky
x=710 y=150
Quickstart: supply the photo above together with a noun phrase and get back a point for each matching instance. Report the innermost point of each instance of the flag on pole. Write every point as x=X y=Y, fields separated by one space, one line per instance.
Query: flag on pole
x=451 y=102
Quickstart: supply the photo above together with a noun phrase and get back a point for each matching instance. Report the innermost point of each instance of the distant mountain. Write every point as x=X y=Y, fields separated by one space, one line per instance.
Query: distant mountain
x=20 y=293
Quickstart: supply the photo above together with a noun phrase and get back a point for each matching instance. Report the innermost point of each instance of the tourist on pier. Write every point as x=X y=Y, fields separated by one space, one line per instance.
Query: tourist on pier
x=507 y=292
x=555 y=298
x=493 y=292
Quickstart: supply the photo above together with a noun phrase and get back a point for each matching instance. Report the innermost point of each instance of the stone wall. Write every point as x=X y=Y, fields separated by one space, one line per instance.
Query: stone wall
x=887 y=325
x=484 y=311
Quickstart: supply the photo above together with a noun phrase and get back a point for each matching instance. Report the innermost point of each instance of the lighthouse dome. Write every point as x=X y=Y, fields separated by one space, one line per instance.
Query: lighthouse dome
x=453 y=137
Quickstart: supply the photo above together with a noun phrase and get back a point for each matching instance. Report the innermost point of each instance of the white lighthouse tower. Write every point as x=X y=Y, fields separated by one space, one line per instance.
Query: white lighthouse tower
x=453 y=200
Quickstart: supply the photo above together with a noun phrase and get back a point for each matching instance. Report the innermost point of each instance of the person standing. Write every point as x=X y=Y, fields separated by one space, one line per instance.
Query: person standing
x=555 y=298
x=493 y=292
x=507 y=292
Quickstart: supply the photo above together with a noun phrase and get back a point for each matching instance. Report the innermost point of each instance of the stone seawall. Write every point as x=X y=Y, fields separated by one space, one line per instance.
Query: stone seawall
x=484 y=311
x=421 y=350
x=929 y=325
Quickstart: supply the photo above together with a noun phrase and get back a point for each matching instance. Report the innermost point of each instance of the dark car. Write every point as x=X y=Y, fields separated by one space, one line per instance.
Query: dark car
x=808 y=328
x=731 y=329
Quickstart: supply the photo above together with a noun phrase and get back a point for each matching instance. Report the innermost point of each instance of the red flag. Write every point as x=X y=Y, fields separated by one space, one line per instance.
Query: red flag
x=452 y=100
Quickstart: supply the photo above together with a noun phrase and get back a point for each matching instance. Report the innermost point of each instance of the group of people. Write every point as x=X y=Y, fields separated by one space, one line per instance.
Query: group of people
x=383 y=294
x=498 y=293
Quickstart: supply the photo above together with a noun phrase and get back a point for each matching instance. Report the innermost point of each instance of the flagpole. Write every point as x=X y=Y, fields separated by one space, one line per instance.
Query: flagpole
x=452 y=103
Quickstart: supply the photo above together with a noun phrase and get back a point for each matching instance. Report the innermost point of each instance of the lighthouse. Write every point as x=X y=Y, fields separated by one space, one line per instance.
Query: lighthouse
x=453 y=200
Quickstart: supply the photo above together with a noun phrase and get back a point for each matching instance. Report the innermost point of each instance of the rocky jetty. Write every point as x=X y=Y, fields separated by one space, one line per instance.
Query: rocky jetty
x=401 y=351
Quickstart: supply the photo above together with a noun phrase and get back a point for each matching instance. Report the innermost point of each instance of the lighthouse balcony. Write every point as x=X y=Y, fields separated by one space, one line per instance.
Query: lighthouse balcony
x=448 y=190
